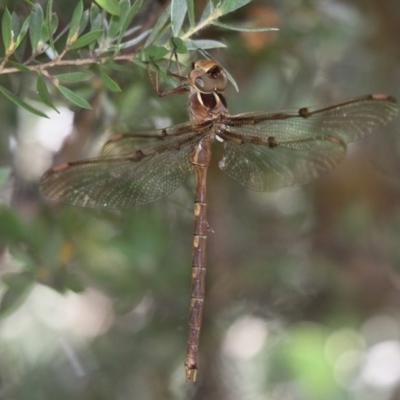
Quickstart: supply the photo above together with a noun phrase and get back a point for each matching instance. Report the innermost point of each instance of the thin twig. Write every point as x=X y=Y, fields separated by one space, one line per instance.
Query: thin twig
x=60 y=63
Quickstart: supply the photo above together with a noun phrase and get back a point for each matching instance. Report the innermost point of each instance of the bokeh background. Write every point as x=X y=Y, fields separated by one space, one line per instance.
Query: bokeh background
x=303 y=287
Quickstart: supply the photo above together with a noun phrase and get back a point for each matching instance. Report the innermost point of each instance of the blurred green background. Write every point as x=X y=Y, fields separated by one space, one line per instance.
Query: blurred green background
x=303 y=286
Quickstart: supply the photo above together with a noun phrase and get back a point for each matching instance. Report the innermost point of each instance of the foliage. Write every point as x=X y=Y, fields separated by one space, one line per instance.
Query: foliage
x=102 y=35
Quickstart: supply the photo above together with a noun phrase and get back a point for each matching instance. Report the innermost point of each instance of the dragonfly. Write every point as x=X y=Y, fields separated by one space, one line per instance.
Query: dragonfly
x=263 y=151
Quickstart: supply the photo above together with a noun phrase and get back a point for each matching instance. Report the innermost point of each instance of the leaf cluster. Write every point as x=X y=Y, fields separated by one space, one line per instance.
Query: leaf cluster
x=101 y=35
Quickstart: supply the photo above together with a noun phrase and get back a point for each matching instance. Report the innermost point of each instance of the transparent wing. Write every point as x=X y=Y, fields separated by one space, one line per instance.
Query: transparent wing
x=123 y=181
x=270 y=150
x=127 y=143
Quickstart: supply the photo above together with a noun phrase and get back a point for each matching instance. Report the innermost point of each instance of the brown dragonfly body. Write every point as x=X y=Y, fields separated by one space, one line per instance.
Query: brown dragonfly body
x=264 y=151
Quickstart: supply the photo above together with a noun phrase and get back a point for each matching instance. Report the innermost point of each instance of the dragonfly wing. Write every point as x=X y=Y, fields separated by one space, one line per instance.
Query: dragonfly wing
x=266 y=168
x=122 y=181
x=127 y=143
x=270 y=150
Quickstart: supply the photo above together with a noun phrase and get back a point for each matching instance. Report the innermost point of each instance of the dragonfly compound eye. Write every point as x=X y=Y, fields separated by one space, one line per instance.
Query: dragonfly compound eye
x=205 y=84
x=221 y=82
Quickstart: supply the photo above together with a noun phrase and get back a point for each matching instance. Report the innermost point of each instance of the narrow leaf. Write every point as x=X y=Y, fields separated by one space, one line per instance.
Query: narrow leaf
x=242 y=28
x=190 y=7
x=109 y=83
x=14 y=24
x=228 y=6
x=84 y=21
x=95 y=16
x=135 y=40
x=178 y=12
x=23 y=31
x=6 y=29
x=74 y=76
x=162 y=20
x=128 y=19
x=86 y=39
x=178 y=45
x=36 y=26
x=75 y=22
x=203 y=44
x=232 y=80
x=49 y=23
x=10 y=96
x=43 y=93
x=124 y=6
x=114 y=26
x=19 y=66
x=13 y=297
x=111 y=6
x=53 y=24
x=44 y=37
x=153 y=52
x=73 y=97
x=208 y=10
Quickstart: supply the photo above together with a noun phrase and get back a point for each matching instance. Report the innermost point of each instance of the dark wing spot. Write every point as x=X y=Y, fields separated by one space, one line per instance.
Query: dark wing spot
x=303 y=112
x=272 y=141
x=138 y=156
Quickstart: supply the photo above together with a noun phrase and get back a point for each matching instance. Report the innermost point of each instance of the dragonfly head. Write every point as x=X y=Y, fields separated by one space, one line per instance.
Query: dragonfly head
x=207 y=76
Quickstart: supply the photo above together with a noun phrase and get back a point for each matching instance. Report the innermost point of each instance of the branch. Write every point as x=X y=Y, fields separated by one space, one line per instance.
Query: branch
x=59 y=63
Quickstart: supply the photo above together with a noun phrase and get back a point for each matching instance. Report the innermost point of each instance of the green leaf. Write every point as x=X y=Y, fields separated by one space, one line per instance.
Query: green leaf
x=178 y=12
x=53 y=24
x=21 y=103
x=36 y=26
x=132 y=12
x=18 y=289
x=14 y=24
x=6 y=30
x=203 y=44
x=74 y=76
x=231 y=80
x=49 y=24
x=23 y=31
x=19 y=66
x=43 y=93
x=190 y=7
x=120 y=67
x=95 y=17
x=178 y=45
x=111 y=6
x=128 y=19
x=208 y=10
x=153 y=52
x=114 y=26
x=228 y=6
x=74 y=25
x=124 y=6
x=86 y=39
x=109 y=83
x=73 y=97
x=84 y=21
x=44 y=37
x=242 y=28
x=162 y=20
